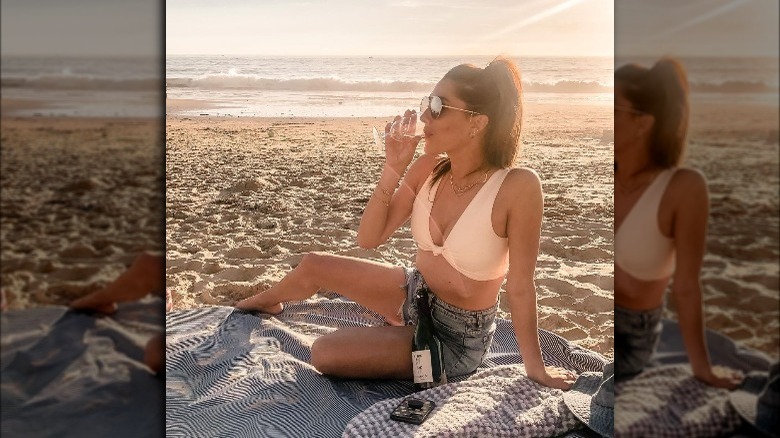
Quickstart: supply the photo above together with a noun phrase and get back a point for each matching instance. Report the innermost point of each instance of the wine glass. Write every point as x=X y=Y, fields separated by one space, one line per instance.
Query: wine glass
x=407 y=126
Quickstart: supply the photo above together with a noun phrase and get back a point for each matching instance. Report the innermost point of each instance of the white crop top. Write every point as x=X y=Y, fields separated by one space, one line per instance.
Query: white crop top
x=472 y=247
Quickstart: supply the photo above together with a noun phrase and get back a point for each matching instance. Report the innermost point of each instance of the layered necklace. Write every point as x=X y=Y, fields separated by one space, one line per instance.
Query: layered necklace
x=459 y=191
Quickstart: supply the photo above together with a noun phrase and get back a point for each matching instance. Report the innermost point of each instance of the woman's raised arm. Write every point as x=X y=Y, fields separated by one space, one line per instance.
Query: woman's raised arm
x=390 y=205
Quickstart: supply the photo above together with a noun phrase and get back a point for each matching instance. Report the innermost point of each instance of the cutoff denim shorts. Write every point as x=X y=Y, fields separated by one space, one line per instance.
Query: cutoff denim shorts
x=465 y=334
x=637 y=333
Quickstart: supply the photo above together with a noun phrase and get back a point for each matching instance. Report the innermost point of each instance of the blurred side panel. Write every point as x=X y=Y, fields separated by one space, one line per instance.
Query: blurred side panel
x=82 y=195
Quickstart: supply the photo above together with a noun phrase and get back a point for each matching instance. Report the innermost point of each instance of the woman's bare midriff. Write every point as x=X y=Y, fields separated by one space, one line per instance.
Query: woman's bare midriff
x=455 y=288
x=632 y=293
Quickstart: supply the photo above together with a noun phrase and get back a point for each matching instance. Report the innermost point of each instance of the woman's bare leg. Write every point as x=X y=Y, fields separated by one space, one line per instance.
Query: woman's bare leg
x=377 y=286
x=365 y=353
x=144 y=276
x=154 y=353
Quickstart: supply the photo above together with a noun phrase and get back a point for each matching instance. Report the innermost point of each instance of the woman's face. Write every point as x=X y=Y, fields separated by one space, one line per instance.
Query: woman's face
x=626 y=123
x=451 y=129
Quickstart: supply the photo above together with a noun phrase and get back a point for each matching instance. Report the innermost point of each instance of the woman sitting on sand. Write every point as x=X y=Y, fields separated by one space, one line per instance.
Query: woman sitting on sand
x=660 y=220
x=475 y=219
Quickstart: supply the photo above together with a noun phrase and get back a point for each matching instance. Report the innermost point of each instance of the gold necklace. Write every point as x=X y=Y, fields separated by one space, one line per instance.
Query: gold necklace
x=459 y=191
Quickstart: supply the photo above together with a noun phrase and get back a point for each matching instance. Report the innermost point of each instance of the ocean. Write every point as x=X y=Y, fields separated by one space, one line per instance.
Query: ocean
x=85 y=86
x=362 y=86
x=727 y=79
x=333 y=86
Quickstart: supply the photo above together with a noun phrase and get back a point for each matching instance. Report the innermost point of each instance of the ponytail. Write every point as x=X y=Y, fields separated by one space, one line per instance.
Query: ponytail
x=661 y=91
x=495 y=91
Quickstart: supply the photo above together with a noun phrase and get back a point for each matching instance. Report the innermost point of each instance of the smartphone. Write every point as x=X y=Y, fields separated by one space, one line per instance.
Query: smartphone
x=412 y=410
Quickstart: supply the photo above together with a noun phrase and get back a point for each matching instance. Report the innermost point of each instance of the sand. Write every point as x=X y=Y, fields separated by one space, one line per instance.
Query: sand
x=248 y=197
x=80 y=199
x=736 y=147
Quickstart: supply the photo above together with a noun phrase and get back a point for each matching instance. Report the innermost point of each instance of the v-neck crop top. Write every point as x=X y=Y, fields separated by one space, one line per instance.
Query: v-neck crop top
x=640 y=248
x=471 y=247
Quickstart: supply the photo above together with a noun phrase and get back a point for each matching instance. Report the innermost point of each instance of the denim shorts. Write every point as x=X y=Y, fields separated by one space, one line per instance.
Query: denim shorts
x=465 y=335
x=637 y=333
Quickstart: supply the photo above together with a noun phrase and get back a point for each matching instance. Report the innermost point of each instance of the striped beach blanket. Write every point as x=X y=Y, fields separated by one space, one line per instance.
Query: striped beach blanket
x=71 y=374
x=232 y=373
x=666 y=400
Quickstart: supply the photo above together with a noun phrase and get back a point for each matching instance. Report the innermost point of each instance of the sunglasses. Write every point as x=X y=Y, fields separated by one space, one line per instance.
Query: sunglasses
x=435 y=105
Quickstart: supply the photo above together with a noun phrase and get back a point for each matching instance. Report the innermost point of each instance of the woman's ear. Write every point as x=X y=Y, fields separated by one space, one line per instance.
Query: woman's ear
x=646 y=123
x=478 y=123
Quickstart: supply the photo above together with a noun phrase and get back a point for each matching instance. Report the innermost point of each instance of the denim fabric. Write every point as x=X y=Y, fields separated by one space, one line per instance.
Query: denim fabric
x=465 y=334
x=637 y=333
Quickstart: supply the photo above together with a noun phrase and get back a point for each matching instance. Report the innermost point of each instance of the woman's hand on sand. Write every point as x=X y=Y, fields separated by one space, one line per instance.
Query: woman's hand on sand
x=555 y=377
x=722 y=377
x=400 y=148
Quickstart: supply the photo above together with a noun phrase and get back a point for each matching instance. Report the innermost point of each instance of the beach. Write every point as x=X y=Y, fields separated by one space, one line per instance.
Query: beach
x=248 y=197
x=81 y=198
x=735 y=145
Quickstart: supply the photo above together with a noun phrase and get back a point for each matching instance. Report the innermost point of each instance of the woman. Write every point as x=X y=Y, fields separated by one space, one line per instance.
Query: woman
x=660 y=220
x=472 y=133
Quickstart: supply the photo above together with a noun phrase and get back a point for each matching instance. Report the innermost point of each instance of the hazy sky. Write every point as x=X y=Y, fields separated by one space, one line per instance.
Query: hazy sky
x=393 y=27
x=82 y=27
x=696 y=27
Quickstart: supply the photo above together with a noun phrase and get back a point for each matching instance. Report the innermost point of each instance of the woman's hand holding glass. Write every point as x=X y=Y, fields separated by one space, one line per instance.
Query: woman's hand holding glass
x=401 y=137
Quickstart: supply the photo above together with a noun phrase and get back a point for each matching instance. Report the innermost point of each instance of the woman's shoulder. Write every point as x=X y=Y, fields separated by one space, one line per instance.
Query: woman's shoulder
x=687 y=180
x=521 y=178
x=521 y=186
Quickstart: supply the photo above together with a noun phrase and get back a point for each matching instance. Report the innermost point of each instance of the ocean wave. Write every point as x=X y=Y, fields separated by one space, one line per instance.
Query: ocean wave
x=732 y=86
x=248 y=82
x=313 y=84
x=568 y=87
x=76 y=82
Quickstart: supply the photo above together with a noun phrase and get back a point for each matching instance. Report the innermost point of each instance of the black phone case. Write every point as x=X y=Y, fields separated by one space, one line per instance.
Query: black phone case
x=404 y=413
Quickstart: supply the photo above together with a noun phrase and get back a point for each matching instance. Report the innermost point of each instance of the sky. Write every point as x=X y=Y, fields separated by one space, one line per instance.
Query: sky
x=696 y=27
x=82 y=27
x=390 y=28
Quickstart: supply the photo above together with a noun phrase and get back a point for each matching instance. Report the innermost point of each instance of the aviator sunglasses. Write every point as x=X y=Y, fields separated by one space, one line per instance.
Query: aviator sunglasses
x=435 y=105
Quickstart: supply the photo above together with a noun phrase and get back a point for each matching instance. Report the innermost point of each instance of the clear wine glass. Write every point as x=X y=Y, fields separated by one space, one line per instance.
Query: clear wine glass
x=406 y=126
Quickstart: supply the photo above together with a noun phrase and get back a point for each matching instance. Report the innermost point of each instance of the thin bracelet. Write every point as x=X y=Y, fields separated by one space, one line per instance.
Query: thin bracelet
x=387 y=203
x=387 y=193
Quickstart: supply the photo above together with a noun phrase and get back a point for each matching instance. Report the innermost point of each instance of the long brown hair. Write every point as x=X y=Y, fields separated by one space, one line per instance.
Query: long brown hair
x=661 y=91
x=495 y=91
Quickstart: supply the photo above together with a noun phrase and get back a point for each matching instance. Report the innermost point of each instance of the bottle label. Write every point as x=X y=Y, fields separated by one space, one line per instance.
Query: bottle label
x=421 y=365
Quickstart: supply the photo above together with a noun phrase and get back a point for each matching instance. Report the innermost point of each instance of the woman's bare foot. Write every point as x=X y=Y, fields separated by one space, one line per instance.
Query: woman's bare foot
x=256 y=303
x=141 y=278
x=100 y=301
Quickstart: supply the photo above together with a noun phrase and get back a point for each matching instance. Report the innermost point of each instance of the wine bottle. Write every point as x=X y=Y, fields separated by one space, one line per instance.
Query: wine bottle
x=427 y=360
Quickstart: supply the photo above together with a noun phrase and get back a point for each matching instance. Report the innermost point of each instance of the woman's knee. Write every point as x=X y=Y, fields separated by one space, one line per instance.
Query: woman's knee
x=314 y=260
x=154 y=354
x=322 y=355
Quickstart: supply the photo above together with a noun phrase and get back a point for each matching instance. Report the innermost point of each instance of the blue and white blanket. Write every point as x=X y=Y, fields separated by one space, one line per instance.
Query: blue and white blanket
x=231 y=373
x=71 y=374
